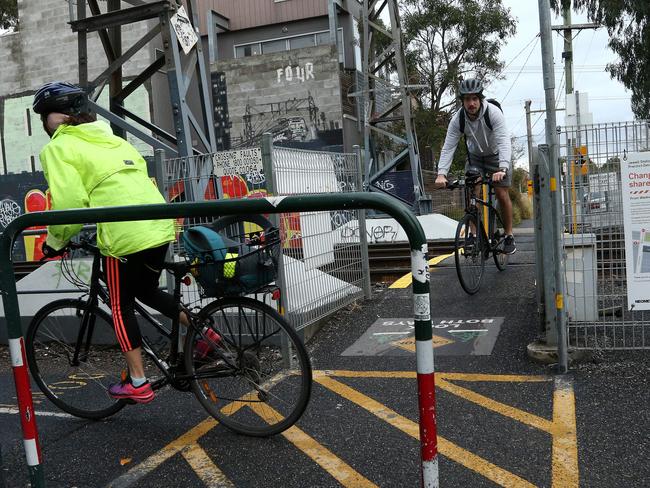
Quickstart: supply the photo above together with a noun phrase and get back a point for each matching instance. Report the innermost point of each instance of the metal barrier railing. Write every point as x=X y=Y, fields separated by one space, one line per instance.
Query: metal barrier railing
x=271 y=205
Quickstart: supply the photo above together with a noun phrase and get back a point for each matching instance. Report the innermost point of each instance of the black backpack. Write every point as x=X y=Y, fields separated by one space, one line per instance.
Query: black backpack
x=486 y=117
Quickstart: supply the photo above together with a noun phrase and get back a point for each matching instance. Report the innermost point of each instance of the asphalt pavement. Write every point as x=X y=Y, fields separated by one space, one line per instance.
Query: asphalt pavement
x=502 y=419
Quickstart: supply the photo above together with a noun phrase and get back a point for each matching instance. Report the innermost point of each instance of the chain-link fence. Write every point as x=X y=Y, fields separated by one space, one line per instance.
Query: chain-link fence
x=600 y=312
x=324 y=254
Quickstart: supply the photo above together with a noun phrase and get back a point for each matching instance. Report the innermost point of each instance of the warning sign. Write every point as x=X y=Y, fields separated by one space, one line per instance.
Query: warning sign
x=451 y=337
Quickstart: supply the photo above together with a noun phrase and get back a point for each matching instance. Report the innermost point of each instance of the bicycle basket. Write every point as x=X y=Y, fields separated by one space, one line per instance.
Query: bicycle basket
x=230 y=261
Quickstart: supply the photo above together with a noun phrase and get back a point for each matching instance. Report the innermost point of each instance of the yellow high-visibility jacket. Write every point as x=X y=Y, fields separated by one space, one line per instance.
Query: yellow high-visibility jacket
x=88 y=166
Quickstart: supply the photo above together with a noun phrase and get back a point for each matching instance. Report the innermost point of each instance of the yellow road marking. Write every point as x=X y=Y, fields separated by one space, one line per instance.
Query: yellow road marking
x=447 y=376
x=498 y=407
x=335 y=466
x=205 y=469
x=406 y=280
x=445 y=447
x=408 y=344
x=565 y=437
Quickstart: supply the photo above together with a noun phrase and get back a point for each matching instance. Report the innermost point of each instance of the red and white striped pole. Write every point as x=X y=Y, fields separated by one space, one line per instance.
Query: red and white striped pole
x=425 y=369
x=26 y=409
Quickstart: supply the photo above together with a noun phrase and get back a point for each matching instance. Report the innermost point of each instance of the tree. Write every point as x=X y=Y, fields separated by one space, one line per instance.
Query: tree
x=517 y=150
x=629 y=37
x=8 y=14
x=451 y=39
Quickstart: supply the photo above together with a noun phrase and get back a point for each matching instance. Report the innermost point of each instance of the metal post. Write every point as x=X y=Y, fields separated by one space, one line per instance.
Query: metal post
x=115 y=85
x=551 y=137
x=19 y=366
x=544 y=227
x=363 y=236
x=271 y=190
x=533 y=162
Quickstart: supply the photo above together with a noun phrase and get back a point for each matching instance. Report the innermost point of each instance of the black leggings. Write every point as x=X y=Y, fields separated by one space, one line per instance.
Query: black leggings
x=136 y=276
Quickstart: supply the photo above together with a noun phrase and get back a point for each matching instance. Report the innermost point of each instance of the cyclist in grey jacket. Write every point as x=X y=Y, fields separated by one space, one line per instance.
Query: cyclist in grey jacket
x=488 y=147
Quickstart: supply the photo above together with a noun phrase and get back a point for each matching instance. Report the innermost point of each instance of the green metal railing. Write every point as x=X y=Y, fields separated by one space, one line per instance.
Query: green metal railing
x=319 y=202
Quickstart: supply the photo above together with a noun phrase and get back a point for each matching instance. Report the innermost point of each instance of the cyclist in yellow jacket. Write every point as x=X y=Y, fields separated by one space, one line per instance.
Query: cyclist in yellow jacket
x=86 y=165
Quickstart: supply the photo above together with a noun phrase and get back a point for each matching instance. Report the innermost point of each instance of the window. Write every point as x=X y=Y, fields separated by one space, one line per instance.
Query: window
x=274 y=46
x=248 y=50
x=302 y=41
x=288 y=43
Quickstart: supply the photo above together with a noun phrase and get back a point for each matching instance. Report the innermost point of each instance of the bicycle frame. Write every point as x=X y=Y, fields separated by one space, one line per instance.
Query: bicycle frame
x=98 y=294
x=472 y=202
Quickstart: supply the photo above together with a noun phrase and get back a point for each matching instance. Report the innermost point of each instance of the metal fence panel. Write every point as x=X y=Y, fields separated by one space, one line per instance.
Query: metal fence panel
x=324 y=269
x=321 y=271
x=594 y=244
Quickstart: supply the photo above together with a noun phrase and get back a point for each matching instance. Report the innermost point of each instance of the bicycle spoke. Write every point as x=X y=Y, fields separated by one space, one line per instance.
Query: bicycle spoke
x=268 y=367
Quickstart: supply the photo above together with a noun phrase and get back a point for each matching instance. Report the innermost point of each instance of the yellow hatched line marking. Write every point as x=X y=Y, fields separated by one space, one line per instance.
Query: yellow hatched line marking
x=335 y=466
x=406 y=280
x=205 y=469
x=445 y=447
x=565 y=437
x=498 y=407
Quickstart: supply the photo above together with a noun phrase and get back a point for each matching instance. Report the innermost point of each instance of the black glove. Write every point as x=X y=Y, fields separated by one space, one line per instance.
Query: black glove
x=50 y=252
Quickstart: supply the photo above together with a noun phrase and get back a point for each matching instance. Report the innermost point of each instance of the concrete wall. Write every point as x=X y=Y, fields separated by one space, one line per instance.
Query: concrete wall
x=275 y=89
x=45 y=49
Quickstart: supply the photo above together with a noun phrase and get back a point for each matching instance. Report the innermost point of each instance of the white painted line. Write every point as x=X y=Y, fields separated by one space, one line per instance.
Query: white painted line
x=467 y=330
x=15 y=411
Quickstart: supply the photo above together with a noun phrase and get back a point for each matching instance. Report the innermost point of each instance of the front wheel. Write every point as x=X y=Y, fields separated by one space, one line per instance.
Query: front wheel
x=469 y=253
x=248 y=366
x=74 y=356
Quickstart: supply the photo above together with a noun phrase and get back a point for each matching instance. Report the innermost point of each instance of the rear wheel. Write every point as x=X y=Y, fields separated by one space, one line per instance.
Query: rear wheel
x=469 y=253
x=254 y=375
x=74 y=358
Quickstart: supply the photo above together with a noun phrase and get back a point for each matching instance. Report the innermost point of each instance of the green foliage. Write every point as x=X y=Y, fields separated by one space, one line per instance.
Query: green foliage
x=447 y=40
x=629 y=37
x=8 y=13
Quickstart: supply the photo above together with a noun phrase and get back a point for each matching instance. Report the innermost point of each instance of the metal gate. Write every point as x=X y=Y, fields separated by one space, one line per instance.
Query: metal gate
x=594 y=238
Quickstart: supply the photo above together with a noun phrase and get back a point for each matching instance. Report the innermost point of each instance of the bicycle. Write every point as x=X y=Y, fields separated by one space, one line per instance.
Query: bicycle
x=258 y=360
x=473 y=242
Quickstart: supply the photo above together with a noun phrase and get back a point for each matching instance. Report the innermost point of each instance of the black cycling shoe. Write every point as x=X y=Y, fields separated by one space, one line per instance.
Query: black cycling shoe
x=509 y=245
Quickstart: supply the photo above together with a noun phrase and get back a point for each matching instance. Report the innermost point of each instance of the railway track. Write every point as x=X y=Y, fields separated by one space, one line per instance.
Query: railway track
x=391 y=260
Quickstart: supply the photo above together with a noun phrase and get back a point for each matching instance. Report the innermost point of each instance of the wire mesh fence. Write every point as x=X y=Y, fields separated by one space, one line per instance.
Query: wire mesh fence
x=322 y=260
x=600 y=312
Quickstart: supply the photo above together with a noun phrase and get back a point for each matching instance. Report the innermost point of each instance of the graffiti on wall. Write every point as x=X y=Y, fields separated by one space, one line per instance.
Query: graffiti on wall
x=298 y=102
x=20 y=194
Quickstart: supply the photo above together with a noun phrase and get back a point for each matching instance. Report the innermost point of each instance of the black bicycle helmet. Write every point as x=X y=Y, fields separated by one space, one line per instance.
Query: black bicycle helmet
x=59 y=96
x=471 y=86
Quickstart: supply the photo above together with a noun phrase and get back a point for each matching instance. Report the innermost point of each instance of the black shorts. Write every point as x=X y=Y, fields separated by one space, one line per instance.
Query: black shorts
x=489 y=164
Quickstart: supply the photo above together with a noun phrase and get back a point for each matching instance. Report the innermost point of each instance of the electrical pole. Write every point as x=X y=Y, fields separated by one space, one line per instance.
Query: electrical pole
x=567 y=55
x=529 y=134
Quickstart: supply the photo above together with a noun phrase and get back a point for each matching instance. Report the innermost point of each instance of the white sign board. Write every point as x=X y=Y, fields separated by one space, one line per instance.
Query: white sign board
x=635 y=182
x=184 y=31
x=239 y=162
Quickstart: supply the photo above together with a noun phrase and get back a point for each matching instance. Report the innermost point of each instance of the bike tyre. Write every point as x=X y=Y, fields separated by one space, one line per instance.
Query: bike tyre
x=219 y=312
x=469 y=273
x=44 y=364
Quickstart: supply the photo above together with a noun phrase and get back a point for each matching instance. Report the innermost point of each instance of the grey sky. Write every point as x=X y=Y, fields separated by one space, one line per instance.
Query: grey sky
x=608 y=99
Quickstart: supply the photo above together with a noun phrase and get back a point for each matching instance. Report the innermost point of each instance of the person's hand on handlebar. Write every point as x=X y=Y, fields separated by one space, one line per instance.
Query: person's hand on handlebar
x=441 y=181
x=50 y=252
x=499 y=176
